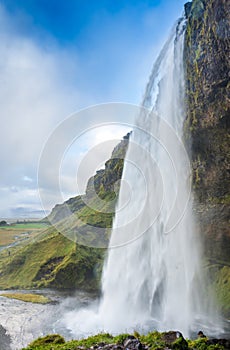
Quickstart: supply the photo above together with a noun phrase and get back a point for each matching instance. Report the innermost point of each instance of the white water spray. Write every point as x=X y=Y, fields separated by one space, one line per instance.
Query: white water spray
x=152 y=281
x=152 y=277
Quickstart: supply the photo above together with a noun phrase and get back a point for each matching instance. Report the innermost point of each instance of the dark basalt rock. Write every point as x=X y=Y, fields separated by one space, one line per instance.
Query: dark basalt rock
x=207 y=130
x=174 y=340
x=132 y=343
x=222 y=342
x=187 y=9
x=171 y=337
x=201 y=334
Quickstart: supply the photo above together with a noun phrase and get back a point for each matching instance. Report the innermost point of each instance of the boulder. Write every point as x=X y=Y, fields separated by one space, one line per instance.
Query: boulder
x=175 y=340
x=132 y=343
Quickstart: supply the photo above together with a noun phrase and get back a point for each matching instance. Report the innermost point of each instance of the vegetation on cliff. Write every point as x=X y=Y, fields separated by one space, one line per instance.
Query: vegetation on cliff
x=207 y=62
x=51 y=259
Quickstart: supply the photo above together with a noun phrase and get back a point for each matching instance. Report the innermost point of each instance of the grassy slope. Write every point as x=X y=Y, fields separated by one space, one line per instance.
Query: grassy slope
x=51 y=260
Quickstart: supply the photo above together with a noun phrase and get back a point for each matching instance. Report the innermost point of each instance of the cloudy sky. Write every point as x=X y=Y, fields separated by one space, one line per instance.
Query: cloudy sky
x=57 y=58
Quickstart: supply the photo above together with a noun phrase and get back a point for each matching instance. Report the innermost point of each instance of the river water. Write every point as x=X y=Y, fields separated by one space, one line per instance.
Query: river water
x=22 y=322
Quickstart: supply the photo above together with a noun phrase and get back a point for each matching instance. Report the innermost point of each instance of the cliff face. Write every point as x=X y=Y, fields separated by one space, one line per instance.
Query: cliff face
x=207 y=62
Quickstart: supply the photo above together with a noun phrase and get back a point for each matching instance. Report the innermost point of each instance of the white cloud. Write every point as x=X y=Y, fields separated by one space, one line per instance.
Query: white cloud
x=40 y=85
x=27 y=179
x=77 y=167
x=36 y=93
x=38 y=90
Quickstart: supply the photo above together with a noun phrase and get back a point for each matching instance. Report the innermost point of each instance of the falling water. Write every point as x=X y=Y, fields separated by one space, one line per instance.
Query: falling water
x=152 y=275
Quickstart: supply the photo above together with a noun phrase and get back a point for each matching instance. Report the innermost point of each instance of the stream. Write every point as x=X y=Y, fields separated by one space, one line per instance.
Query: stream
x=22 y=322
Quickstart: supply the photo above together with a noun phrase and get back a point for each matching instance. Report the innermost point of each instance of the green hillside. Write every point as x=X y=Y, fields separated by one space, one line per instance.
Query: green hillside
x=70 y=253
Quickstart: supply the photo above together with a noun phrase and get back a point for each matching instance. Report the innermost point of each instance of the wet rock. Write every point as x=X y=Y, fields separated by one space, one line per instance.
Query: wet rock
x=175 y=340
x=128 y=339
x=222 y=342
x=201 y=334
x=111 y=347
x=171 y=337
x=101 y=345
x=5 y=339
x=132 y=343
x=206 y=131
x=118 y=347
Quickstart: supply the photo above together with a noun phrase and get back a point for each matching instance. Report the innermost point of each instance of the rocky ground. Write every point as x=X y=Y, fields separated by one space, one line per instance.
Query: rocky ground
x=154 y=341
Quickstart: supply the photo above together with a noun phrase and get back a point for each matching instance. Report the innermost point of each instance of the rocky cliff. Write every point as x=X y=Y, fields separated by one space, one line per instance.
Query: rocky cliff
x=104 y=184
x=207 y=63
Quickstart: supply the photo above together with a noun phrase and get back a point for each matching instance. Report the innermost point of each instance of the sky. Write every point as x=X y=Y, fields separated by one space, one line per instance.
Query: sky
x=58 y=58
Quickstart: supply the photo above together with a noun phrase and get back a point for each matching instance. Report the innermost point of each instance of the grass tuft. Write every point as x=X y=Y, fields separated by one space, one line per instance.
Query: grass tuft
x=29 y=298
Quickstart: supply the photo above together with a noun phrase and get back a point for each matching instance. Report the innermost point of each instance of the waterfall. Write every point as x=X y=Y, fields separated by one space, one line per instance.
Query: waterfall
x=152 y=272
x=152 y=277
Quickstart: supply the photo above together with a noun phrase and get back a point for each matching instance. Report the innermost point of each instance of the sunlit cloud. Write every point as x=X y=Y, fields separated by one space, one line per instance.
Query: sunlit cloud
x=44 y=80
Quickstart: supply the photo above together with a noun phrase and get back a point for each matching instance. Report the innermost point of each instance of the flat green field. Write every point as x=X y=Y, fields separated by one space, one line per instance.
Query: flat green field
x=18 y=231
x=25 y=225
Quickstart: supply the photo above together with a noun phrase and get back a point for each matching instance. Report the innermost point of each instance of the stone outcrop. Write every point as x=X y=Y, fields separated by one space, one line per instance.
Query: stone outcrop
x=105 y=184
x=207 y=62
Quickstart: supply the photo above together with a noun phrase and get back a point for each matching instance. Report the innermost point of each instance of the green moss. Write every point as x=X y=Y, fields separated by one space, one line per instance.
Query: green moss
x=31 y=298
x=119 y=339
x=153 y=340
x=199 y=344
x=197 y=177
x=222 y=289
x=202 y=344
x=99 y=338
x=180 y=344
x=193 y=114
x=197 y=9
x=47 y=340
x=136 y=334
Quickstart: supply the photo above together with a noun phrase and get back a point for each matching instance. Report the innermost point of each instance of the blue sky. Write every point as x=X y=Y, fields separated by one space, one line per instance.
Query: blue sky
x=113 y=41
x=57 y=57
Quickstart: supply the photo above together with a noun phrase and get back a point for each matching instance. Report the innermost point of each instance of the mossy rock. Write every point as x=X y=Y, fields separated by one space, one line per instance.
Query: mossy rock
x=47 y=340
